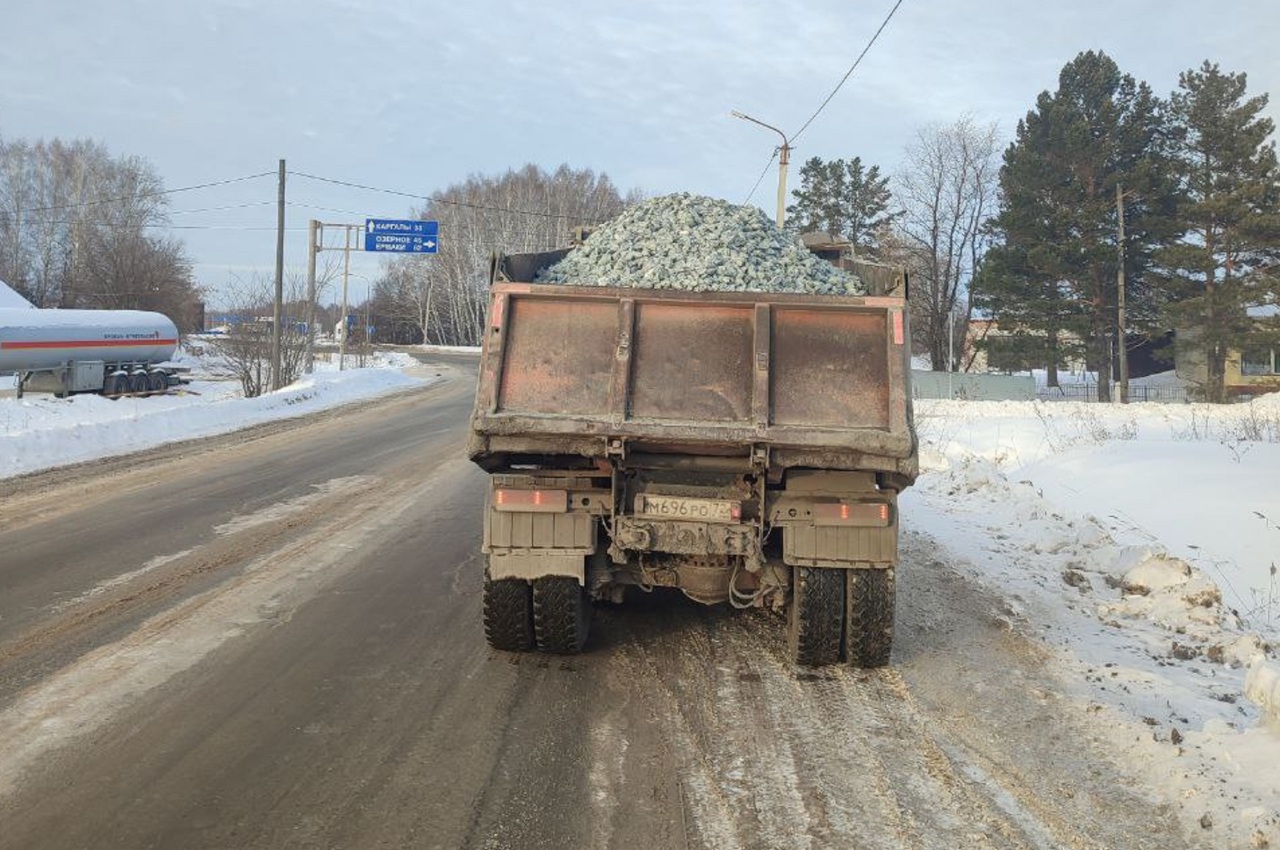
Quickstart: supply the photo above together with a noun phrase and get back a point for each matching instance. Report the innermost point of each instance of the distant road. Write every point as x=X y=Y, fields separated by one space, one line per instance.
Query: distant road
x=273 y=640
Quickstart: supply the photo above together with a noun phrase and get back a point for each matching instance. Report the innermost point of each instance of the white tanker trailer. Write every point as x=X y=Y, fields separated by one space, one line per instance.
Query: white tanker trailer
x=67 y=351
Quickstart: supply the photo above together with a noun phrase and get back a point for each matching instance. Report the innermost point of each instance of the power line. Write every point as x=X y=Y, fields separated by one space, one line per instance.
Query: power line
x=221 y=209
x=326 y=209
x=136 y=226
x=848 y=73
x=438 y=200
x=760 y=179
x=506 y=231
x=140 y=195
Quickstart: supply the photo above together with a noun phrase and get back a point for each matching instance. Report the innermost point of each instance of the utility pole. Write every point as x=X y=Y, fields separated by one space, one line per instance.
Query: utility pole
x=784 y=156
x=278 y=308
x=315 y=232
x=1120 y=284
x=346 y=273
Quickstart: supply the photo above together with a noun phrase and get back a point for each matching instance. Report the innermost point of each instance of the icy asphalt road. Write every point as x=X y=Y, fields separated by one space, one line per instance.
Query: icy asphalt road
x=274 y=640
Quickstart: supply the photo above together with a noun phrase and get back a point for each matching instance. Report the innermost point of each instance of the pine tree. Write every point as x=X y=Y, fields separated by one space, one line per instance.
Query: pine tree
x=1054 y=275
x=841 y=198
x=1230 y=193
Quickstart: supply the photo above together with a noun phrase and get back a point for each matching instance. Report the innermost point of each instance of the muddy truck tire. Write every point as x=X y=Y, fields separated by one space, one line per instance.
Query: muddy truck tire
x=869 y=617
x=817 y=616
x=508 y=614
x=561 y=615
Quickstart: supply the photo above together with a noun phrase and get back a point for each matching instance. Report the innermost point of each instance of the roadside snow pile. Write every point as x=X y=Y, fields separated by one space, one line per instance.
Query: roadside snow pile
x=1262 y=687
x=1175 y=596
x=691 y=242
x=1140 y=543
x=38 y=432
x=1174 y=609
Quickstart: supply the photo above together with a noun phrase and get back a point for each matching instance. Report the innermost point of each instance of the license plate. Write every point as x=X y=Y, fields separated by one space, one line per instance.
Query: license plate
x=675 y=507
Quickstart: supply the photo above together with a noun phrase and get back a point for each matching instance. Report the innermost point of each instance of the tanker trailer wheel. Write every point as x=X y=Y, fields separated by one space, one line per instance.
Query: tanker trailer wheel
x=114 y=385
x=817 y=615
x=561 y=614
x=508 y=614
x=157 y=381
x=139 y=384
x=869 y=617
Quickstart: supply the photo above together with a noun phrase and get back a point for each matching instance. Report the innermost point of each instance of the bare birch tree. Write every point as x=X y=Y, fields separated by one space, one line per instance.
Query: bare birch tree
x=445 y=294
x=77 y=230
x=947 y=189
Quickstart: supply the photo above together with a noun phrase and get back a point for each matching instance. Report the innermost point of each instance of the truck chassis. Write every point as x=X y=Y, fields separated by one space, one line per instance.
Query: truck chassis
x=819 y=545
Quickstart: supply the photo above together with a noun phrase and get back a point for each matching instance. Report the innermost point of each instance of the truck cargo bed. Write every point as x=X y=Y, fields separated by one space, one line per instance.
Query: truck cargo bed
x=818 y=381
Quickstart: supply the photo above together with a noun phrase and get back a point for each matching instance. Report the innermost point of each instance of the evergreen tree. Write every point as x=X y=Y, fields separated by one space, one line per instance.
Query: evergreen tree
x=1230 y=192
x=1054 y=275
x=841 y=198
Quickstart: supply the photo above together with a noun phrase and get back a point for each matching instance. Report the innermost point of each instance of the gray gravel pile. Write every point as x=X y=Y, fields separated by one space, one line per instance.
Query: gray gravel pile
x=692 y=242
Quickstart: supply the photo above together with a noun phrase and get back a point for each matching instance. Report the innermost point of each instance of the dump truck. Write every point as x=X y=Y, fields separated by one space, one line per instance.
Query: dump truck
x=746 y=448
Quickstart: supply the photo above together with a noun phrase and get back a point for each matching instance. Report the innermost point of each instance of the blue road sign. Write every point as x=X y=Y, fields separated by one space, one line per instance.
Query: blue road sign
x=405 y=236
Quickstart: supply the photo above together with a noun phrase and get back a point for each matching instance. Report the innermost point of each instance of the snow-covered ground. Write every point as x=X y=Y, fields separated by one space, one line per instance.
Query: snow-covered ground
x=1139 y=542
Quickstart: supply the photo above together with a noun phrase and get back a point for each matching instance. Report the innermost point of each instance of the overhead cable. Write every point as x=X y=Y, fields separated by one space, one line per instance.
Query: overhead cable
x=141 y=195
x=760 y=179
x=438 y=200
x=848 y=73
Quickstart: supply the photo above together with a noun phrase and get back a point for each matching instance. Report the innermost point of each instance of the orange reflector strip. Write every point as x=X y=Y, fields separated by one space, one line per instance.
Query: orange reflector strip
x=899 y=329
x=874 y=514
x=531 y=501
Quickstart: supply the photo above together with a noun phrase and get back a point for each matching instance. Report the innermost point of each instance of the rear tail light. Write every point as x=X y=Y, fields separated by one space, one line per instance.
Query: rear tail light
x=531 y=501
x=874 y=514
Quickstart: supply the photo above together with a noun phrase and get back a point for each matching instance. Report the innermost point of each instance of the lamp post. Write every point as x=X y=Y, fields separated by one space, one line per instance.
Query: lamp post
x=784 y=157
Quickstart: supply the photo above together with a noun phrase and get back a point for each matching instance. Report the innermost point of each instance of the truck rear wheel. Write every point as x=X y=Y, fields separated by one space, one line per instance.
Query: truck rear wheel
x=508 y=614
x=817 y=615
x=869 y=617
x=561 y=614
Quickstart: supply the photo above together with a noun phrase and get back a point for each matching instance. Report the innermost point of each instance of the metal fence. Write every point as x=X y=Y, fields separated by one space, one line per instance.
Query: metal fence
x=972 y=386
x=1137 y=393
x=976 y=386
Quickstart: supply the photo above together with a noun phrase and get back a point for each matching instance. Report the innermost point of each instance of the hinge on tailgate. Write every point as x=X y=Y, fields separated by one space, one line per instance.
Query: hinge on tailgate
x=617 y=447
x=760 y=457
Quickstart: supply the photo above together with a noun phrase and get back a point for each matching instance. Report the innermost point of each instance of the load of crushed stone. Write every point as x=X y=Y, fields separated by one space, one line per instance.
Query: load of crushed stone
x=696 y=243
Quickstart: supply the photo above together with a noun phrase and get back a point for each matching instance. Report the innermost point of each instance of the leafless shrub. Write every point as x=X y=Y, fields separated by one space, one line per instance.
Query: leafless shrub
x=247 y=346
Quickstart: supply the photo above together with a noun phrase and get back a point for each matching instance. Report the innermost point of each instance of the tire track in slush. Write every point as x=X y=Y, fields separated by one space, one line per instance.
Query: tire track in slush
x=841 y=773
x=770 y=755
x=757 y=763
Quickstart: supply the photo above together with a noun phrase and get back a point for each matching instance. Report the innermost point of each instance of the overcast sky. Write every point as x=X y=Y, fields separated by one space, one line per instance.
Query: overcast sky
x=416 y=96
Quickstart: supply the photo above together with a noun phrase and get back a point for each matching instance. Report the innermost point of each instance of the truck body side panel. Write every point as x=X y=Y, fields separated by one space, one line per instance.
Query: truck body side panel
x=830 y=368
x=566 y=370
x=692 y=364
x=558 y=356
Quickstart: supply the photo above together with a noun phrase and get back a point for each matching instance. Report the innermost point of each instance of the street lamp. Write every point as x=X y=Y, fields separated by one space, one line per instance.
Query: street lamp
x=783 y=158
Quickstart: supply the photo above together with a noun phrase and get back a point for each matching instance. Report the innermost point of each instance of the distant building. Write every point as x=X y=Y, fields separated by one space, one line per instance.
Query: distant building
x=990 y=348
x=1248 y=372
